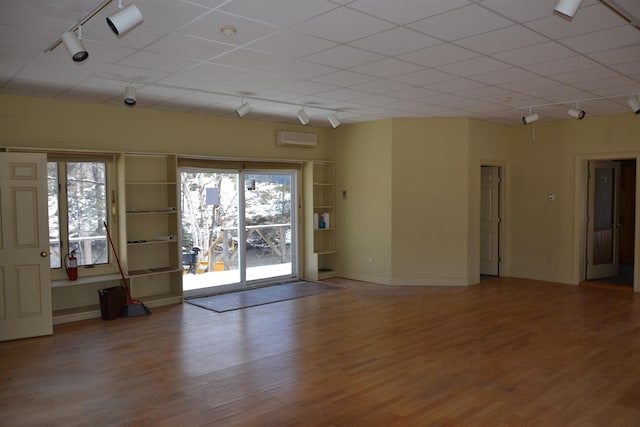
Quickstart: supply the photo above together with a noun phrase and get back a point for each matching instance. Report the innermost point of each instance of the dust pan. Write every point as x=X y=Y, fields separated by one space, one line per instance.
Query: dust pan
x=135 y=308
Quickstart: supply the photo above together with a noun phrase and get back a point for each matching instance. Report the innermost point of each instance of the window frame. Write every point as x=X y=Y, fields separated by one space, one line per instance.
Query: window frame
x=59 y=273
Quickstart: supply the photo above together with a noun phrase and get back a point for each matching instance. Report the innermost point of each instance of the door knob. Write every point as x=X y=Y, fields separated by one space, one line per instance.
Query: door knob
x=43 y=254
x=619 y=224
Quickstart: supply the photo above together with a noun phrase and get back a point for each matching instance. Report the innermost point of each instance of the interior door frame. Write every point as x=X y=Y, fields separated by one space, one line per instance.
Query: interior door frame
x=580 y=209
x=503 y=238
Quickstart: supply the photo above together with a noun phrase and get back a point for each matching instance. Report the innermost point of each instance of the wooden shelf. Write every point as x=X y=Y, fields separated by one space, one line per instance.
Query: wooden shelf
x=152 y=271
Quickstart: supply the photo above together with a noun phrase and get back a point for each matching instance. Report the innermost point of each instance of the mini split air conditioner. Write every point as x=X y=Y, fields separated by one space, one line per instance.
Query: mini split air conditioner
x=295 y=139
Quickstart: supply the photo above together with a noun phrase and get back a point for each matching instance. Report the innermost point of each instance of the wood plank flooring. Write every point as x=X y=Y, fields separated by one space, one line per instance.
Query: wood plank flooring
x=507 y=352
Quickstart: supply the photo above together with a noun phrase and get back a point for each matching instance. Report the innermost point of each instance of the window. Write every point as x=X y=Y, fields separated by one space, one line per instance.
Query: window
x=78 y=207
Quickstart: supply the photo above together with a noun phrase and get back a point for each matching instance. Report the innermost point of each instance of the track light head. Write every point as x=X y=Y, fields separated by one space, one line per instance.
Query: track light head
x=567 y=8
x=244 y=109
x=333 y=119
x=130 y=95
x=530 y=118
x=576 y=114
x=74 y=46
x=125 y=19
x=634 y=104
x=303 y=117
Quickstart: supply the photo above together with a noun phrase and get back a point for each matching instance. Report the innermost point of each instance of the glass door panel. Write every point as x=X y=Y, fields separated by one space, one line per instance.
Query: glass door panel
x=220 y=209
x=268 y=224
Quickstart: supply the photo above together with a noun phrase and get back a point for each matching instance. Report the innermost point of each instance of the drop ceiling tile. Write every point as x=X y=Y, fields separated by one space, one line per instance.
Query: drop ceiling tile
x=132 y=74
x=37 y=14
x=247 y=58
x=558 y=93
x=158 y=62
x=455 y=85
x=343 y=57
x=587 y=20
x=34 y=88
x=534 y=54
x=439 y=55
x=214 y=72
x=413 y=93
x=521 y=11
x=12 y=61
x=209 y=26
x=405 y=11
x=447 y=26
x=343 y=25
x=343 y=94
x=395 y=41
x=614 y=85
x=94 y=90
x=307 y=88
x=571 y=64
x=617 y=56
x=164 y=15
x=285 y=13
x=301 y=69
x=25 y=39
x=504 y=76
x=485 y=92
x=291 y=44
x=598 y=73
x=376 y=100
x=514 y=37
x=631 y=69
x=474 y=66
x=423 y=77
x=387 y=67
x=607 y=39
x=343 y=78
x=189 y=47
x=529 y=84
x=381 y=86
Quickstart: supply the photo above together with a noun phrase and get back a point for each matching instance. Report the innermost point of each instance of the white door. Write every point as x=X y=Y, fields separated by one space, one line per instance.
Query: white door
x=602 y=219
x=489 y=220
x=25 y=283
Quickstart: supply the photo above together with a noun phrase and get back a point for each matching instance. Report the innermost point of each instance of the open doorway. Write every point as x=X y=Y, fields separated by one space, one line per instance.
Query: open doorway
x=238 y=228
x=610 y=231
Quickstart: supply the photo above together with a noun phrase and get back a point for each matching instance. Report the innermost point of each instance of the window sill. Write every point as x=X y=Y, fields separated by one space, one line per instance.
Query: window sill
x=84 y=280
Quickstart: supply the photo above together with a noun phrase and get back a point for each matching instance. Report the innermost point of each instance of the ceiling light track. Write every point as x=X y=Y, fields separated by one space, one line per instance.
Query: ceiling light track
x=80 y=23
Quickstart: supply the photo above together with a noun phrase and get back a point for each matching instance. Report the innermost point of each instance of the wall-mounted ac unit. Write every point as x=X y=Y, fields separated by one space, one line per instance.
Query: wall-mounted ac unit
x=295 y=139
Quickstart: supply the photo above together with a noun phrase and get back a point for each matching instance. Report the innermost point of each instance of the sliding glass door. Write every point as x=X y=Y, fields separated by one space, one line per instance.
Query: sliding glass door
x=238 y=228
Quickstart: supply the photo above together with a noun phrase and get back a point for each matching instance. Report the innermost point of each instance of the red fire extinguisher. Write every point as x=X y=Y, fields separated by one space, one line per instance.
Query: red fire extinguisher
x=71 y=265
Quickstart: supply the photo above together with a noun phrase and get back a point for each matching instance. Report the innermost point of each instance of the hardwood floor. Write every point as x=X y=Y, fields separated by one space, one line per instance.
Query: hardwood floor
x=507 y=352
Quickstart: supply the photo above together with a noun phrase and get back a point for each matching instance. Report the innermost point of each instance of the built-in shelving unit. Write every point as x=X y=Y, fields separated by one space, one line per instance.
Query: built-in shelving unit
x=321 y=257
x=150 y=238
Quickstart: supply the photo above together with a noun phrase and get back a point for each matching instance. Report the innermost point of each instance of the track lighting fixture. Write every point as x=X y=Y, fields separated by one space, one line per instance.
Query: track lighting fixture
x=74 y=45
x=530 y=118
x=130 y=95
x=634 y=104
x=125 y=19
x=303 y=117
x=333 y=119
x=576 y=113
x=567 y=8
x=244 y=109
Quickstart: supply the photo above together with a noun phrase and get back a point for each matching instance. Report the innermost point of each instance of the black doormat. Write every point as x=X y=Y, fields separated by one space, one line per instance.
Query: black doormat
x=260 y=296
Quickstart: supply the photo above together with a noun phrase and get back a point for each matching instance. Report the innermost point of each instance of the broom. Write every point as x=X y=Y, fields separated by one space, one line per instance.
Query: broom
x=133 y=307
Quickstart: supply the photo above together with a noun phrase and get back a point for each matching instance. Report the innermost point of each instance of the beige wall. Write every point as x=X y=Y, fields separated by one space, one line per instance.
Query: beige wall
x=546 y=240
x=412 y=210
x=489 y=145
x=35 y=122
x=430 y=201
x=364 y=221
